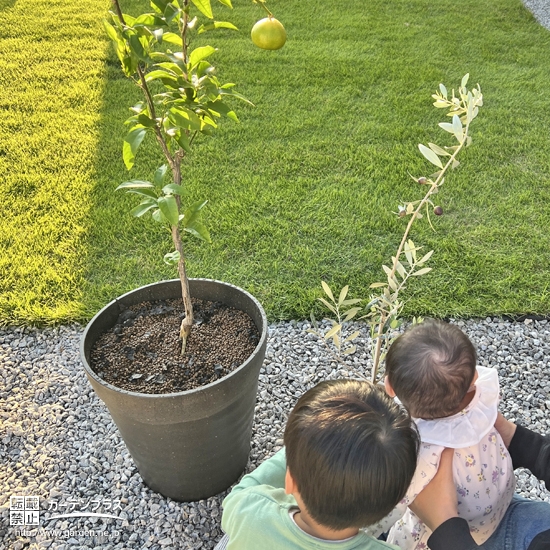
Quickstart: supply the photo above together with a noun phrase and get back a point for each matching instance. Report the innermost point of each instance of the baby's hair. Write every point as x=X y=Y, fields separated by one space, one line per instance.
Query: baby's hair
x=430 y=367
x=351 y=452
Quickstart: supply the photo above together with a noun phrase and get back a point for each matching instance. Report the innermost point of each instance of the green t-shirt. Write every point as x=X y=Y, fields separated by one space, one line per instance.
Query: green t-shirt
x=256 y=516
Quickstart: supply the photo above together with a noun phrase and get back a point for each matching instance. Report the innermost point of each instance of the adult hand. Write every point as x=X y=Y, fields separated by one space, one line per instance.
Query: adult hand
x=438 y=502
x=505 y=428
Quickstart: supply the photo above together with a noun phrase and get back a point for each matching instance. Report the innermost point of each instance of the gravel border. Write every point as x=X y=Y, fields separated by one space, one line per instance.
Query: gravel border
x=58 y=442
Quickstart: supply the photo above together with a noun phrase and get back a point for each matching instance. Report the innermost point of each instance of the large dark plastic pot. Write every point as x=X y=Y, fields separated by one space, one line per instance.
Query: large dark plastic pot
x=193 y=444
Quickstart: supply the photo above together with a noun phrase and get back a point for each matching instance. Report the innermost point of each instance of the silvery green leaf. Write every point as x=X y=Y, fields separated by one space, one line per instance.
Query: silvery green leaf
x=332 y=332
x=377 y=285
x=401 y=270
x=343 y=294
x=457 y=128
x=352 y=336
x=443 y=90
x=422 y=271
x=447 y=127
x=350 y=314
x=430 y=155
x=350 y=350
x=464 y=80
x=438 y=150
x=425 y=258
x=327 y=290
x=324 y=302
x=350 y=301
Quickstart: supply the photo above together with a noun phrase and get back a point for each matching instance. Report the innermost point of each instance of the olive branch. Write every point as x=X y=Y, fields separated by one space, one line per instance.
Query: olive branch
x=384 y=308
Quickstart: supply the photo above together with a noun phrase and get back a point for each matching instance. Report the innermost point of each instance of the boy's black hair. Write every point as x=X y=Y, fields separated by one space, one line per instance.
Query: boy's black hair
x=430 y=368
x=351 y=452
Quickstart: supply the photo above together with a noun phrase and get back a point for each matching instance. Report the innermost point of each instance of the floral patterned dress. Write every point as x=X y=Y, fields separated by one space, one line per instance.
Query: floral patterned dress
x=483 y=470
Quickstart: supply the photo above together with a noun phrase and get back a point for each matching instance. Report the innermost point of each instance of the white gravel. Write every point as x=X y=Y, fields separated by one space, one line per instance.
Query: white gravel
x=540 y=9
x=57 y=440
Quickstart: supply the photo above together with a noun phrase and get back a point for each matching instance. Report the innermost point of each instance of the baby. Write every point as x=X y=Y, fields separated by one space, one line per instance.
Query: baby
x=431 y=369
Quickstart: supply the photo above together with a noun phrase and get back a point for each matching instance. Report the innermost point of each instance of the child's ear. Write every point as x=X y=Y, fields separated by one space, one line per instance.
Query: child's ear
x=290 y=485
x=389 y=389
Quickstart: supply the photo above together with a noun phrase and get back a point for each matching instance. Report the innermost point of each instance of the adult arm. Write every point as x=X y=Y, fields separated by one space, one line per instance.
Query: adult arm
x=436 y=506
x=527 y=449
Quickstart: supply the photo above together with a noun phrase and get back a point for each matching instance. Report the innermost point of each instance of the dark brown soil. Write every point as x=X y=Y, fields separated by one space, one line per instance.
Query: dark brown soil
x=142 y=352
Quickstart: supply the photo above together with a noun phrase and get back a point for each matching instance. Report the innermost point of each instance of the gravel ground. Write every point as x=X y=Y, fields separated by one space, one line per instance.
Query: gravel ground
x=57 y=440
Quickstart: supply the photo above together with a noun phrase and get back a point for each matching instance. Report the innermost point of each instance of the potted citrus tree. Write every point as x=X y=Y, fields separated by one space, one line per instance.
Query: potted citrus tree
x=180 y=386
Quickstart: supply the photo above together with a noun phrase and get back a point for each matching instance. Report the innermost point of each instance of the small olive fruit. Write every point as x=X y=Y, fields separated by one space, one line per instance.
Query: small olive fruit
x=268 y=34
x=422 y=180
x=438 y=211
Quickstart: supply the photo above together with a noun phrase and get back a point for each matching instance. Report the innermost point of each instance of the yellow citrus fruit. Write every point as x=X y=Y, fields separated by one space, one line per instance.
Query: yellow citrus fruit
x=268 y=34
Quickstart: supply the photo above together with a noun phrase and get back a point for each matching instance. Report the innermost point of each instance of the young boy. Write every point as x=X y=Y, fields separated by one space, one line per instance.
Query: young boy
x=349 y=457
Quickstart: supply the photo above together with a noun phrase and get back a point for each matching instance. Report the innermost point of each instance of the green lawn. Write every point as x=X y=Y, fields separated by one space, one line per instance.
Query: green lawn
x=303 y=188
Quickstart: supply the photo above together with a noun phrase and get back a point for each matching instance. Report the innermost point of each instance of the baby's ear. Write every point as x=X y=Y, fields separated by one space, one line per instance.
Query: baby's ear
x=389 y=389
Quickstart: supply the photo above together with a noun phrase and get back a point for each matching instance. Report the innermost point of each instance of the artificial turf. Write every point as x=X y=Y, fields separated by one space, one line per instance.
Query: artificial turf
x=303 y=188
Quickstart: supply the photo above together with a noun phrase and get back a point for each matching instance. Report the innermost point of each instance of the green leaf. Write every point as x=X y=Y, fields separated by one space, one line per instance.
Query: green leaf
x=148 y=19
x=135 y=184
x=111 y=32
x=343 y=294
x=226 y=3
x=164 y=76
x=192 y=222
x=185 y=118
x=143 y=207
x=170 y=12
x=204 y=7
x=144 y=193
x=158 y=216
x=131 y=144
x=464 y=80
x=199 y=230
x=422 y=271
x=160 y=4
x=198 y=54
x=160 y=172
x=438 y=150
x=327 y=290
x=169 y=208
x=183 y=141
x=172 y=258
x=172 y=38
x=172 y=189
x=137 y=48
x=216 y=25
x=430 y=155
